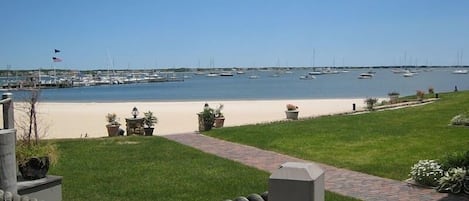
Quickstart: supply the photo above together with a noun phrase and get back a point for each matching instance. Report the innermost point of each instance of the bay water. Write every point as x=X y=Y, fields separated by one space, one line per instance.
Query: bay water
x=268 y=85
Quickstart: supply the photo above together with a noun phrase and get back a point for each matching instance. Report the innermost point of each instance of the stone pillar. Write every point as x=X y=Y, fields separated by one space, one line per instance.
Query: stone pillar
x=8 y=117
x=7 y=146
x=8 y=160
x=297 y=182
x=134 y=126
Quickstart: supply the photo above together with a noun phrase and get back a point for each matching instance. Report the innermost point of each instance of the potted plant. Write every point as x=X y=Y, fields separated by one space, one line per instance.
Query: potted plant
x=219 y=118
x=393 y=97
x=206 y=118
x=112 y=124
x=33 y=157
x=292 y=112
x=149 y=120
x=420 y=95
x=370 y=102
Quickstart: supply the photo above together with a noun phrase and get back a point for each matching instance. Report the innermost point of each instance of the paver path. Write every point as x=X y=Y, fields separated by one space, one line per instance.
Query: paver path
x=342 y=181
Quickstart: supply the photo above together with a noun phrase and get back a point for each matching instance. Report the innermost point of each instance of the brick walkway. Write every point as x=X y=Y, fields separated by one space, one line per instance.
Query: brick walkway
x=342 y=181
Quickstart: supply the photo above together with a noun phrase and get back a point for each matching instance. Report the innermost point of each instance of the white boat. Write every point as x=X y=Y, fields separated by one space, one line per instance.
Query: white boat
x=212 y=75
x=307 y=77
x=366 y=76
x=226 y=74
x=460 y=72
x=253 y=77
x=409 y=74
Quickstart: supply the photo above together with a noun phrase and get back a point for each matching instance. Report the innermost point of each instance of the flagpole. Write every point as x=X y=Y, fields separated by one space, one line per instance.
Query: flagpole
x=55 y=59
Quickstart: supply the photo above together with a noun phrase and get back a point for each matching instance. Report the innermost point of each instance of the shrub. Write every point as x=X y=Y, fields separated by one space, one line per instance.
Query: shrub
x=420 y=95
x=291 y=107
x=452 y=181
x=111 y=119
x=370 y=102
x=454 y=160
x=461 y=119
x=431 y=90
x=149 y=120
x=426 y=172
x=393 y=97
x=218 y=110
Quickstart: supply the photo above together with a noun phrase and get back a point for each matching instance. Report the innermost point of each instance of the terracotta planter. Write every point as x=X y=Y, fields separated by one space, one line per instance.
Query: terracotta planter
x=219 y=122
x=292 y=114
x=112 y=130
x=35 y=168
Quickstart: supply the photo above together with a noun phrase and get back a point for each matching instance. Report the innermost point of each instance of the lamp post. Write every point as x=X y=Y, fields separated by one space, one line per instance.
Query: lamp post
x=135 y=112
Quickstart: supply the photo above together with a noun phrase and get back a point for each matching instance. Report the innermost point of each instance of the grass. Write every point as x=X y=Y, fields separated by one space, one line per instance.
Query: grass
x=382 y=143
x=152 y=168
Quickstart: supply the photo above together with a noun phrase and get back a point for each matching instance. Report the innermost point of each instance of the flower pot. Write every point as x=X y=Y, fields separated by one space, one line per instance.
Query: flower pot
x=203 y=124
x=149 y=131
x=292 y=114
x=393 y=99
x=112 y=130
x=35 y=168
x=219 y=122
x=208 y=126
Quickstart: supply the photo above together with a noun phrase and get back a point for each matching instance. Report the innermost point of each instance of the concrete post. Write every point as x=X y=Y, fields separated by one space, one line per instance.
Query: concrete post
x=7 y=147
x=8 y=117
x=297 y=182
x=8 y=160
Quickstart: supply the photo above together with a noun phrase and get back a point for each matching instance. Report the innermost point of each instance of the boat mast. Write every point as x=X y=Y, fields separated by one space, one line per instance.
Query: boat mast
x=314 y=57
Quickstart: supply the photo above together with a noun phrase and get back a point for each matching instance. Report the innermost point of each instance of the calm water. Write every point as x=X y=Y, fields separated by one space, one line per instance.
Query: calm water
x=286 y=86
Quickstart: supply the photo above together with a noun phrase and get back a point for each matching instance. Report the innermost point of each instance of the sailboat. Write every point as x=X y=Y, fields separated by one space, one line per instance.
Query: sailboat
x=459 y=63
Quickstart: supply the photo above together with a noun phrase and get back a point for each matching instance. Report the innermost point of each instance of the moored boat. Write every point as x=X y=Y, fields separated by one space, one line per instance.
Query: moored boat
x=460 y=72
x=226 y=74
x=307 y=77
x=365 y=76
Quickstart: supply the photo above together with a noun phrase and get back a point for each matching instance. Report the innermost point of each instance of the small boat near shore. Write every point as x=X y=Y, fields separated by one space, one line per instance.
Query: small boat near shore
x=307 y=77
x=366 y=76
x=460 y=72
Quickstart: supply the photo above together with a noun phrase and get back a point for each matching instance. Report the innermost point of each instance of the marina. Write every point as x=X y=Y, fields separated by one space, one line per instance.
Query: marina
x=252 y=84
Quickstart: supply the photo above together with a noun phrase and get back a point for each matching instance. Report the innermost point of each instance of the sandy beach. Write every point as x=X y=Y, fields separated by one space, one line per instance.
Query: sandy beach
x=75 y=120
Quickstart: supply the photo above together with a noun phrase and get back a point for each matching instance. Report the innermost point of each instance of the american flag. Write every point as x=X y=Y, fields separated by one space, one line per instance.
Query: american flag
x=56 y=59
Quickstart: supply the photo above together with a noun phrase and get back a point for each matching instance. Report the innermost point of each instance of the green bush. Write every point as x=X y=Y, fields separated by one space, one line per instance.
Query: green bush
x=455 y=160
x=426 y=172
x=452 y=181
x=461 y=119
x=370 y=102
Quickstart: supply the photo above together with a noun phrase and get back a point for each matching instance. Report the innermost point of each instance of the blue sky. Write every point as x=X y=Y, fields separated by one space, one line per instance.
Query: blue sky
x=242 y=33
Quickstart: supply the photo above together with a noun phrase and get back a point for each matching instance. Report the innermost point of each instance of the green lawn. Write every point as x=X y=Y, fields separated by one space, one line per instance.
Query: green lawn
x=152 y=168
x=382 y=143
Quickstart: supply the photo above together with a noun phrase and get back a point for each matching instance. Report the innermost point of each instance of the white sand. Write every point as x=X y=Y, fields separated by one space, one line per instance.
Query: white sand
x=73 y=120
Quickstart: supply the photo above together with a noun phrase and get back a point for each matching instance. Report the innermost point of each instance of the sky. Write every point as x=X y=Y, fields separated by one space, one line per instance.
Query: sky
x=148 y=34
